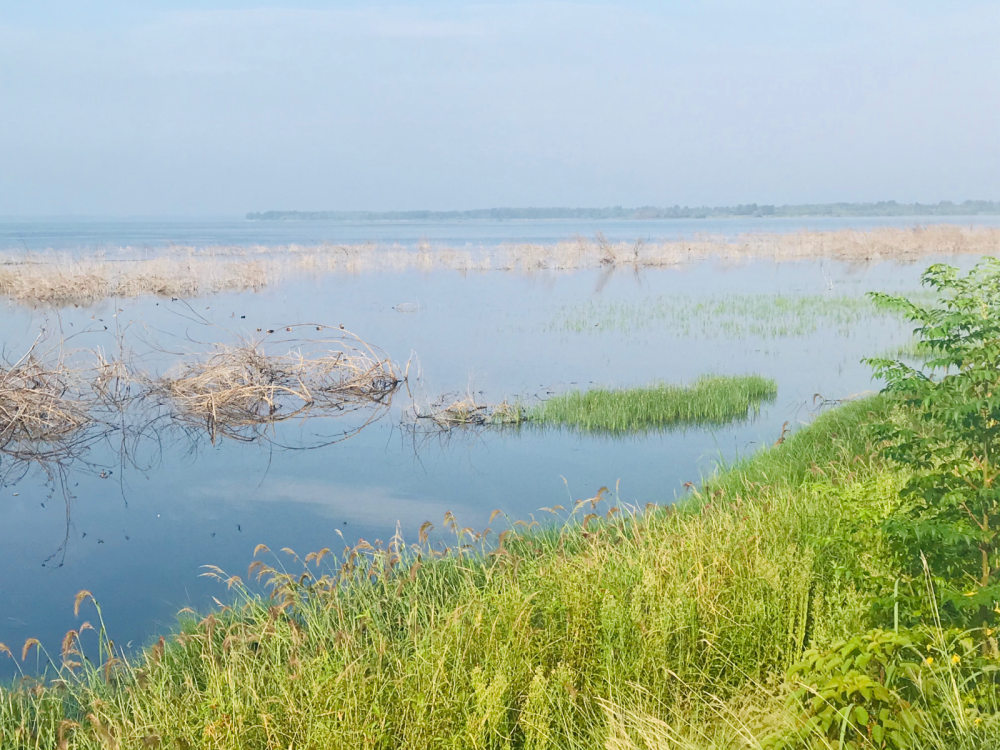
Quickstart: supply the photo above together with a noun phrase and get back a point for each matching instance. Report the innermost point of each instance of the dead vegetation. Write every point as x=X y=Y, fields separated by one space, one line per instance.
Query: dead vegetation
x=466 y=412
x=186 y=272
x=238 y=389
x=44 y=406
x=63 y=281
x=55 y=403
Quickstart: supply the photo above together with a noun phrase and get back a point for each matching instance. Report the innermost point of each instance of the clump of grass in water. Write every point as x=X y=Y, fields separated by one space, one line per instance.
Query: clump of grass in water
x=709 y=400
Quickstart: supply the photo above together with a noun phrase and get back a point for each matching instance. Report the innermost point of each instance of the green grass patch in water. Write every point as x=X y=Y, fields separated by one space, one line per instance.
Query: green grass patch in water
x=709 y=400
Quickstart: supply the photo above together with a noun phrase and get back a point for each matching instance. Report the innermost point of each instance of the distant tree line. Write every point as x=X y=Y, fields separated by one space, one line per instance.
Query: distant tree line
x=881 y=208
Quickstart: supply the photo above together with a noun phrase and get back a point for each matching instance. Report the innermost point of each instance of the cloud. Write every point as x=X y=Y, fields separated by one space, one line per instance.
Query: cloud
x=371 y=505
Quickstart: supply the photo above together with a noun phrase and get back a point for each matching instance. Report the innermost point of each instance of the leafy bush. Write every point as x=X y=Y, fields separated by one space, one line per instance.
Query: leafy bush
x=950 y=509
x=889 y=689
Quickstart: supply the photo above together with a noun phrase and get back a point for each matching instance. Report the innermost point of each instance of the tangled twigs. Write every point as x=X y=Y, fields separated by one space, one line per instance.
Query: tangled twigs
x=44 y=405
x=239 y=387
x=466 y=412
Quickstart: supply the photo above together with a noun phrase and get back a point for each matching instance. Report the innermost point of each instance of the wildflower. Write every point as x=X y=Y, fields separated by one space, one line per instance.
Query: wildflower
x=955 y=659
x=929 y=660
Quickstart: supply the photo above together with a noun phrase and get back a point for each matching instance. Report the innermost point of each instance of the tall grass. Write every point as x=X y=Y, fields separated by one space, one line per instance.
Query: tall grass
x=709 y=400
x=526 y=639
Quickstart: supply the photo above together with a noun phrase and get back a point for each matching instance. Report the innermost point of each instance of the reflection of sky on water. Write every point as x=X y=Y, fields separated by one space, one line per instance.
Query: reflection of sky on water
x=137 y=540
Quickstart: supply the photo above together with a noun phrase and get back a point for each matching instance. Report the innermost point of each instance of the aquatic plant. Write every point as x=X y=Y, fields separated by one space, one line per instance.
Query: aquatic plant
x=709 y=400
x=60 y=280
x=732 y=316
x=38 y=409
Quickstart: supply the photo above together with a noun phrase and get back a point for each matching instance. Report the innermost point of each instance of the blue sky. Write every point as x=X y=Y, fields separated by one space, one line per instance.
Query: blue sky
x=183 y=108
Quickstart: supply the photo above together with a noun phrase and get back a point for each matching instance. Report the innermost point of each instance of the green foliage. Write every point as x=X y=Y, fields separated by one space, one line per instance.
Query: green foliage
x=713 y=399
x=888 y=689
x=950 y=511
x=849 y=692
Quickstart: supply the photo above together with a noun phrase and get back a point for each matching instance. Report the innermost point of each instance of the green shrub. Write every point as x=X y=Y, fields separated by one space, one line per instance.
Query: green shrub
x=950 y=509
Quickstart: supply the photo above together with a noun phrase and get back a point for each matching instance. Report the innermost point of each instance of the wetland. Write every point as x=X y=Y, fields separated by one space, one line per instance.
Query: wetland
x=623 y=456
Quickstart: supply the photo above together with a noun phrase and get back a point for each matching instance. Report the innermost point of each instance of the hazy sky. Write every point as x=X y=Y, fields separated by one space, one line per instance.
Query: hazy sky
x=124 y=108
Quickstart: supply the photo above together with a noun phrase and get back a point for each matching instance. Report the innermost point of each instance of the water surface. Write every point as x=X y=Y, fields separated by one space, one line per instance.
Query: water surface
x=137 y=536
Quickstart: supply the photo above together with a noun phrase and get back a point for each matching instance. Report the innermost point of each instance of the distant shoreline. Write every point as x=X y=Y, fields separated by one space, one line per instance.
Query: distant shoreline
x=879 y=209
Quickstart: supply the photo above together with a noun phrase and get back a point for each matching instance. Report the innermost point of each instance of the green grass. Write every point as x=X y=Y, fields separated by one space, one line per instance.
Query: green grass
x=709 y=400
x=604 y=628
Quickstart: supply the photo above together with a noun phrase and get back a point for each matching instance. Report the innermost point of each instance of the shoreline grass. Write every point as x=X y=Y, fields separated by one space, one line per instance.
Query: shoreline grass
x=525 y=639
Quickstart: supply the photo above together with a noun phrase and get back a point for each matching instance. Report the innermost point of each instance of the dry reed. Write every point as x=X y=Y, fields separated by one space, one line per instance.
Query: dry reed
x=185 y=272
x=62 y=281
x=466 y=412
x=44 y=405
x=239 y=388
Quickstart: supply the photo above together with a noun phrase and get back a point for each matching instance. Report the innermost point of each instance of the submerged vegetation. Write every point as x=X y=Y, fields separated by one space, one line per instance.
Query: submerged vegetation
x=837 y=590
x=709 y=400
x=186 y=272
x=734 y=316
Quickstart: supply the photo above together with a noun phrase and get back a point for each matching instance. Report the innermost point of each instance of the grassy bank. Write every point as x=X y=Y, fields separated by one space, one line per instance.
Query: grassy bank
x=573 y=635
x=709 y=400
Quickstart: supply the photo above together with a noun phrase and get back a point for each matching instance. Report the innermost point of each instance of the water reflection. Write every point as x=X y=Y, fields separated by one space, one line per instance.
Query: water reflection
x=62 y=417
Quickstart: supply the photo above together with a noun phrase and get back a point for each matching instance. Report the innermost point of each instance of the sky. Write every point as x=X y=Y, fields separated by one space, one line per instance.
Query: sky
x=118 y=108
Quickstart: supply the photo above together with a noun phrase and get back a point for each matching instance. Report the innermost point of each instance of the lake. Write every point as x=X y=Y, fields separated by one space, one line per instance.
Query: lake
x=136 y=514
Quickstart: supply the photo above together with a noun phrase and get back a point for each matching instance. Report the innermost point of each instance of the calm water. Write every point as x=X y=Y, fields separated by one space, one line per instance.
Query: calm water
x=69 y=234
x=137 y=537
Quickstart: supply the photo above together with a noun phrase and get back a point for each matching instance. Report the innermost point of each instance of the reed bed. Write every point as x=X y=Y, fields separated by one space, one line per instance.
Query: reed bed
x=239 y=388
x=671 y=628
x=709 y=400
x=59 y=280
x=185 y=271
